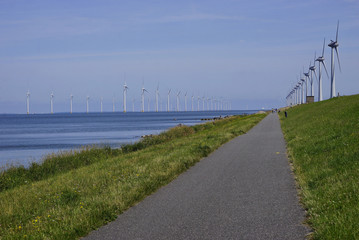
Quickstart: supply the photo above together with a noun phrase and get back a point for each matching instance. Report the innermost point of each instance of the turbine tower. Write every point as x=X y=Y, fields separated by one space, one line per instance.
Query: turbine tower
x=334 y=45
x=303 y=82
x=185 y=102
x=203 y=100
x=312 y=69
x=71 y=99
x=87 y=104
x=143 y=90
x=192 y=103
x=177 y=101
x=157 y=96
x=320 y=83
x=101 y=104
x=124 y=97
x=113 y=104
x=52 y=103
x=168 y=100
x=28 y=102
x=198 y=98
x=306 y=74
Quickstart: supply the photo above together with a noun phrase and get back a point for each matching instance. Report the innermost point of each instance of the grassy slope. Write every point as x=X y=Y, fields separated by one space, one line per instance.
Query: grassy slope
x=72 y=203
x=323 y=143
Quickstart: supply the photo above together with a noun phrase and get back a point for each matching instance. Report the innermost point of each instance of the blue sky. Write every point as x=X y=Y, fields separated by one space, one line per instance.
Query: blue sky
x=250 y=52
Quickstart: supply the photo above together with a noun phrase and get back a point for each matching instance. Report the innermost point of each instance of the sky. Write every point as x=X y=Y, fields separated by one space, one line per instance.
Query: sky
x=247 y=52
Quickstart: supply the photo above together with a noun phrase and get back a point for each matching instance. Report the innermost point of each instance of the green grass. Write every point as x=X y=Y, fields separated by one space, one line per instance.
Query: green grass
x=323 y=144
x=70 y=202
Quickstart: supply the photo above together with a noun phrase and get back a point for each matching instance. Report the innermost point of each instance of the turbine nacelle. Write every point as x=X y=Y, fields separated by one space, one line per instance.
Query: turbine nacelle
x=333 y=44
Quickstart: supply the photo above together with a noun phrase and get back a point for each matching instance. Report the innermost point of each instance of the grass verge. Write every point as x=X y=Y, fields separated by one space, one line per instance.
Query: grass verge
x=69 y=203
x=323 y=144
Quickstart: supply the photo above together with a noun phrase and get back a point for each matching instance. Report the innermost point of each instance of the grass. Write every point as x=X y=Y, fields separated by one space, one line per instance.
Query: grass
x=323 y=144
x=70 y=202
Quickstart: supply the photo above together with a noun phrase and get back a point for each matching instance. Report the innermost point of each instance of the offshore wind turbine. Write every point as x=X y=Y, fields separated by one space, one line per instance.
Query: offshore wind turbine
x=157 y=96
x=71 y=99
x=101 y=100
x=28 y=102
x=203 y=100
x=168 y=100
x=334 y=45
x=52 y=103
x=113 y=104
x=320 y=60
x=198 y=103
x=192 y=102
x=143 y=90
x=124 y=97
x=148 y=104
x=185 y=102
x=177 y=101
x=87 y=104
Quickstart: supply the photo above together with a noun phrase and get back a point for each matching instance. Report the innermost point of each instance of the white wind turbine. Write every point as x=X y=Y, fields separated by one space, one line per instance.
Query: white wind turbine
x=334 y=45
x=71 y=99
x=198 y=103
x=87 y=104
x=320 y=82
x=168 y=100
x=52 y=103
x=306 y=74
x=125 y=97
x=185 y=102
x=101 y=100
x=143 y=90
x=192 y=103
x=28 y=102
x=303 y=82
x=113 y=104
x=148 y=104
x=203 y=100
x=312 y=69
x=157 y=97
x=178 y=101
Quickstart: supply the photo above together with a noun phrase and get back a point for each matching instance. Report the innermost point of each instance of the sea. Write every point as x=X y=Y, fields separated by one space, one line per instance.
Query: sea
x=29 y=138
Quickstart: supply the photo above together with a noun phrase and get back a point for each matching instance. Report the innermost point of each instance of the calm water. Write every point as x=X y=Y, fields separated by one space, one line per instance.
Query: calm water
x=27 y=138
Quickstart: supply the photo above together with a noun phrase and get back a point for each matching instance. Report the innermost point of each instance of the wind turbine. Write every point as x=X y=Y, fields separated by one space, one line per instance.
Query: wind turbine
x=198 y=103
x=28 y=102
x=52 y=102
x=157 y=96
x=306 y=74
x=334 y=45
x=113 y=104
x=321 y=61
x=124 y=97
x=312 y=69
x=101 y=100
x=168 y=100
x=87 y=104
x=192 y=102
x=178 y=103
x=143 y=90
x=203 y=100
x=148 y=104
x=71 y=99
x=185 y=102
x=303 y=82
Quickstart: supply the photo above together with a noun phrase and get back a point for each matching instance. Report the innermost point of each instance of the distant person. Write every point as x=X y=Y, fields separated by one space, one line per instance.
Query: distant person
x=285 y=113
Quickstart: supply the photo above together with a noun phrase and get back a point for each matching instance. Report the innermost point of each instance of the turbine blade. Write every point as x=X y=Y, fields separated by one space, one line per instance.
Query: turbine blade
x=336 y=39
x=325 y=69
x=336 y=50
x=323 y=48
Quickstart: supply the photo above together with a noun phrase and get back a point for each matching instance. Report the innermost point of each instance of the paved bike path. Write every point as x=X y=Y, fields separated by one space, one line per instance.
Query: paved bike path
x=243 y=190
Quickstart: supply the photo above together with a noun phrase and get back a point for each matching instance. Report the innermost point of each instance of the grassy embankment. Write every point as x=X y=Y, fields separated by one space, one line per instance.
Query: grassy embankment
x=323 y=144
x=68 y=196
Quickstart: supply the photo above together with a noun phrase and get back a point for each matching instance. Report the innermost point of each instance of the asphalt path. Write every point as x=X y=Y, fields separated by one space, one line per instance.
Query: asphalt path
x=243 y=190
